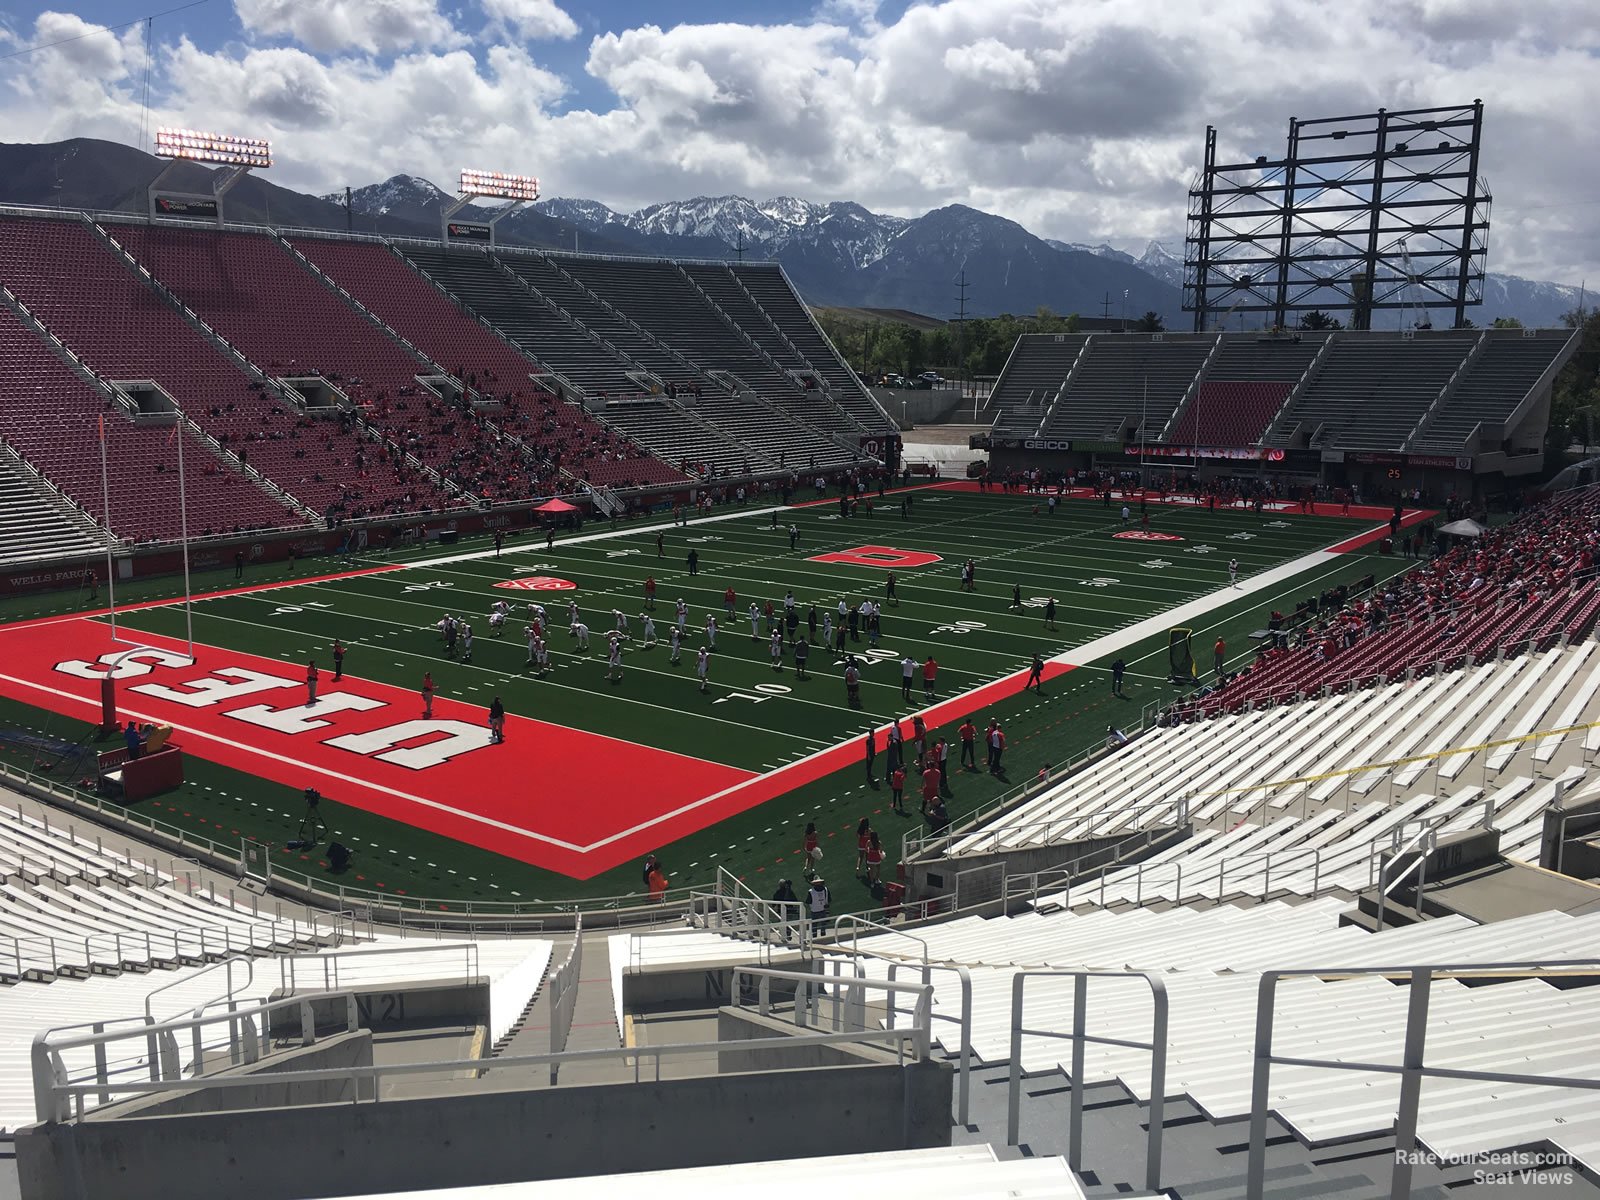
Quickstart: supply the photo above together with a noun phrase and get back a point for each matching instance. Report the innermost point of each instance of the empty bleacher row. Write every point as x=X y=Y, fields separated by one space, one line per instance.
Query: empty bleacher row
x=1509 y=365
x=88 y=933
x=562 y=434
x=1210 y=959
x=1345 y=390
x=1372 y=390
x=223 y=322
x=768 y=287
x=37 y=522
x=664 y=302
x=124 y=330
x=1128 y=382
x=1027 y=388
x=1218 y=768
x=52 y=419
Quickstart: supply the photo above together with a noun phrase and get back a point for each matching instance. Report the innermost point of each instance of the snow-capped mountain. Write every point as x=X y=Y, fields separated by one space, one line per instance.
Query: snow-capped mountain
x=841 y=253
x=765 y=228
x=398 y=194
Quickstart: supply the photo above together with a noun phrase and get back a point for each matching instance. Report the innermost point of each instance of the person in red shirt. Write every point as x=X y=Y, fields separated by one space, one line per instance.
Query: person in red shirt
x=427 y=694
x=729 y=600
x=897 y=785
x=968 y=734
x=874 y=858
x=813 y=851
x=650 y=591
x=1220 y=650
x=311 y=681
x=930 y=788
x=930 y=671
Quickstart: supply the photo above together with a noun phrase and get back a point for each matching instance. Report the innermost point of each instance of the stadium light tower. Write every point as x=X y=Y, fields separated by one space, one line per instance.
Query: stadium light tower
x=238 y=155
x=485 y=185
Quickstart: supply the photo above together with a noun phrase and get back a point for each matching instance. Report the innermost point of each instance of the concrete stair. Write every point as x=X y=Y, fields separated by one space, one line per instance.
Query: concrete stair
x=1203 y=1159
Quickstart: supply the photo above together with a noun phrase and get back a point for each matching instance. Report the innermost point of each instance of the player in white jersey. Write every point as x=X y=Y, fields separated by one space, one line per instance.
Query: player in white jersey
x=711 y=630
x=776 y=650
x=497 y=623
x=683 y=615
x=677 y=644
x=701 y=666
x=649 y=628
x=581 y=632
x=621 y=619
x=531 y=634
x=614 y=659
x=755 y=622
x=541 y=654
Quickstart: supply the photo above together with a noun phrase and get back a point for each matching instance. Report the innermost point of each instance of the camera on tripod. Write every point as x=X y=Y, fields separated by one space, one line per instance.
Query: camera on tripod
x=312 y=827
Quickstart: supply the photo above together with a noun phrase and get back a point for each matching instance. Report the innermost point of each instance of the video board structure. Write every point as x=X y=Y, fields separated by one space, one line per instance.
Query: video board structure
x=1363 y=213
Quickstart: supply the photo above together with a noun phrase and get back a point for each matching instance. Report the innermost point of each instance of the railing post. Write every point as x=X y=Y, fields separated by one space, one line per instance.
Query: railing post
x=1260 y=1087
x=1014 y=1085
x=1080 y=1027
x=1405 y=1131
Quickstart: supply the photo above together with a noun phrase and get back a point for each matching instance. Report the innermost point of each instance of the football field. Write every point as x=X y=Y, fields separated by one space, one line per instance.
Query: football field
x=596 y=770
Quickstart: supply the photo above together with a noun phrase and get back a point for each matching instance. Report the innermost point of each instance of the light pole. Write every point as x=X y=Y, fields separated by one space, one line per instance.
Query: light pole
x=1124 y=310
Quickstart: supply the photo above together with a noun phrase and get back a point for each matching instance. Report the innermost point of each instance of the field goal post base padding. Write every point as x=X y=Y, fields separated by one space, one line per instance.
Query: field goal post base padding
x=1180 y=656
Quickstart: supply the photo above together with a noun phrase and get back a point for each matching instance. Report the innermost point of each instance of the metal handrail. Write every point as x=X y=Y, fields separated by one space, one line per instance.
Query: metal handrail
x=1412 y=1069
x=1423 y=842
x=226 y=965
x=963 y=1022
x=288 y=974
x=367 y=1077
x=52 y=1089
x=919 y=1034
x=1080 y=1037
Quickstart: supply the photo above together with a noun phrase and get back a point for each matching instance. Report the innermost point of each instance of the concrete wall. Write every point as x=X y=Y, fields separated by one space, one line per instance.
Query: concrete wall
x=341 y=1050
x=466 y=1001
x=742 y=1024
x=489 y=1136
x=697 y=985
x=1024 y=862
x=924 y=406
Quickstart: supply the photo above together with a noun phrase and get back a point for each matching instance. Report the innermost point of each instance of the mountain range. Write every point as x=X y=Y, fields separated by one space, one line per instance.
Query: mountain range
x=837 y=254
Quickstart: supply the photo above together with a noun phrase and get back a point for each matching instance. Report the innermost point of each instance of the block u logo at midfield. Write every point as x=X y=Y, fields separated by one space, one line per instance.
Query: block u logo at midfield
x=888 y=557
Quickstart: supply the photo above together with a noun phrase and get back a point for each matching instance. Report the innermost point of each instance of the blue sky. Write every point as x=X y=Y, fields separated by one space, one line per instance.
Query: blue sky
x=1081 y=119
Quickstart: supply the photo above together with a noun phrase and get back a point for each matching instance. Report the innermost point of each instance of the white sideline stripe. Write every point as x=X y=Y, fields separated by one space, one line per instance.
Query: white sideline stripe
x=1198 y=607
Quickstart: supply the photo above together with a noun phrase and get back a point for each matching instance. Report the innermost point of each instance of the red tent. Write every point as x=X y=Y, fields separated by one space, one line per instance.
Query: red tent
x=556 y=505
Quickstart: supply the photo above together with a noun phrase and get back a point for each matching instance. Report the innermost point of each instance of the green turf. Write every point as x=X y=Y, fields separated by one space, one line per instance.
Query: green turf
x=1101 y=584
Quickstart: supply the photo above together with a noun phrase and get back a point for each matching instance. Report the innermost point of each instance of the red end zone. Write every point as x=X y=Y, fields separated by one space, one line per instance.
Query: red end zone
x=562 y=799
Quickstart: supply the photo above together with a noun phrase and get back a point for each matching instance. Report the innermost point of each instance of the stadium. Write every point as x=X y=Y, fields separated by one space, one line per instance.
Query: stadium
x=445 y=681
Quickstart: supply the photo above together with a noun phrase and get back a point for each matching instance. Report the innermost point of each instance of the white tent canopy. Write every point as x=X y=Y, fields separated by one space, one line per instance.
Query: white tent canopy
x=1464 y=528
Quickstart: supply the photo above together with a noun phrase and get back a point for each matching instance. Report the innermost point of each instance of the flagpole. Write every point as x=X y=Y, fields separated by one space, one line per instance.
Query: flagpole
x=183 y=529
x=105 y=509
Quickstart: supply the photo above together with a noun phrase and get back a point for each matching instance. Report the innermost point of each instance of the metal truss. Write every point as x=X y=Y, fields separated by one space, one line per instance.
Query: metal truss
x=1382 y=210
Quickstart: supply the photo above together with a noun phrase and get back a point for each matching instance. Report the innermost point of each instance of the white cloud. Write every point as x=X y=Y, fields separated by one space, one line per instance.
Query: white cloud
x=530 y=20
x=1082 y=119
x=332 y=26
